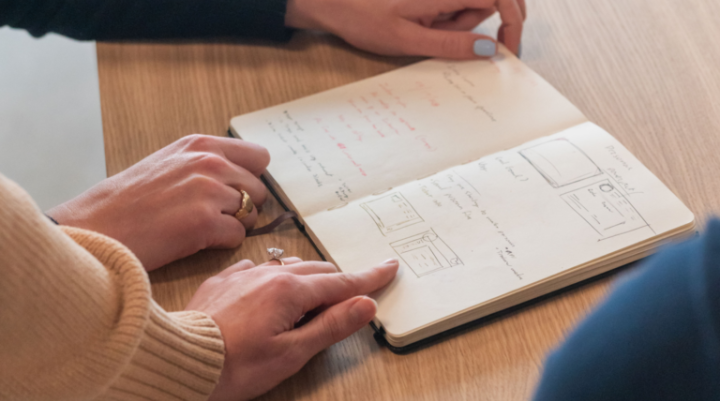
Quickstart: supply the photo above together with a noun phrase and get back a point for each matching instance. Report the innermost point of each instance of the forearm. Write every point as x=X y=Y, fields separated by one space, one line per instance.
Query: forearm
x=78 y=321
x=148 y=19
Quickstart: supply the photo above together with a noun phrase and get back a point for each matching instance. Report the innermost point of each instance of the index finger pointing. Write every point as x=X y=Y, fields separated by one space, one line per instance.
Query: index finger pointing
x=248 y=155
x=329 y=289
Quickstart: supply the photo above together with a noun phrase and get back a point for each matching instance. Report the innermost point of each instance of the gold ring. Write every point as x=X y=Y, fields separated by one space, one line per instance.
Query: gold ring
x=276 y=254
x=246 y=206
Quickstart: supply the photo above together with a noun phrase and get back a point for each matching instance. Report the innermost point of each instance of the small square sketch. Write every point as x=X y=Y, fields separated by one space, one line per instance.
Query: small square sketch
x=561 y=162
x=391 y=213
x=426 y=253
x=605 y=209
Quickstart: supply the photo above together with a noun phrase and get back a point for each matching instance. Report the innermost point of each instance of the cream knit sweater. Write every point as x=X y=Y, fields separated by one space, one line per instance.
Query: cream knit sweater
x=77 y=320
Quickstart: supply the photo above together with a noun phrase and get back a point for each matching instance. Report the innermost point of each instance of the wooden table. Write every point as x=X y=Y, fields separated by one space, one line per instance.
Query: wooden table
x=646 y=70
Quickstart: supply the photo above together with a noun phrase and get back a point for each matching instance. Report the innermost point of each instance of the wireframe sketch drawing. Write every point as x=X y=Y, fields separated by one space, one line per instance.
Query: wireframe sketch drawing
x=605 y=209
x=426 y=253
x=392 y=212
x=560 y=162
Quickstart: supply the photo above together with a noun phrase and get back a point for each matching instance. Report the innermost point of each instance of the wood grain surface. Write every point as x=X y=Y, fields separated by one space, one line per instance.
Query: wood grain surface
x=646 y=70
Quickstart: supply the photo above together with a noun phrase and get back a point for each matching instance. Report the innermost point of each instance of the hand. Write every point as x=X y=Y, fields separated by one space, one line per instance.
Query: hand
x=265 y=314
x=177 y=201
x=435 y=28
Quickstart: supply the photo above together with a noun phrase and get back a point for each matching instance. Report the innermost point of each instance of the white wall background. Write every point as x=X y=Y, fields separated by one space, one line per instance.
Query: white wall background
x=50 y=126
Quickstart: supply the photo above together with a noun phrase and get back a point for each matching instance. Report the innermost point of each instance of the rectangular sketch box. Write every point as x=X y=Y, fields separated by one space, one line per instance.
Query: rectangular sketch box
x=560 y=162
x=605 y=209
x=392 y=212
x=426 y=253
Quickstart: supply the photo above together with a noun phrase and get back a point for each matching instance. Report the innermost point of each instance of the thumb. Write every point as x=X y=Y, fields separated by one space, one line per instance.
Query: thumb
x=335 y=324
x=459 y=45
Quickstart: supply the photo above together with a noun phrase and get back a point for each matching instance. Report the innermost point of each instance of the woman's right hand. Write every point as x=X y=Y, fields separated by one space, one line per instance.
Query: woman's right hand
x=434 y=28
x=258 y=309
x=177 y=201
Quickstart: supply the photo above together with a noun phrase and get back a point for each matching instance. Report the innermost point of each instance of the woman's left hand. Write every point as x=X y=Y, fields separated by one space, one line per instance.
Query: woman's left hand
x=434 y=28
x=274 y=318
x=177 y=201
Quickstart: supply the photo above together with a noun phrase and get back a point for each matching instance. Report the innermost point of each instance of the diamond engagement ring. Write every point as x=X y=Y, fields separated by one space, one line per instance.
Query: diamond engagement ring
x=276 y=254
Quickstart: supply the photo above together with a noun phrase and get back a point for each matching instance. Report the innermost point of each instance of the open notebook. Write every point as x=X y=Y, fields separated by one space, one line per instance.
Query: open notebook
x=488 y=185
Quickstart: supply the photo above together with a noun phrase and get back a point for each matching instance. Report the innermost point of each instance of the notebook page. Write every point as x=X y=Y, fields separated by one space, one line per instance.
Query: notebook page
x=483 y=229
x=341 y=145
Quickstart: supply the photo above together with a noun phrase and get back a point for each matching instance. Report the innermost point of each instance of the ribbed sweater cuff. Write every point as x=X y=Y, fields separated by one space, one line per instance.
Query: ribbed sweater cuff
x=163 y=356
x=180 y=358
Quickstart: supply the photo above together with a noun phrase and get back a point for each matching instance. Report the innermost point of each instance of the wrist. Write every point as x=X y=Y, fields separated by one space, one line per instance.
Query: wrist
x=52 y=219
x=76 y=212
x=296 y=15
x=60 y=215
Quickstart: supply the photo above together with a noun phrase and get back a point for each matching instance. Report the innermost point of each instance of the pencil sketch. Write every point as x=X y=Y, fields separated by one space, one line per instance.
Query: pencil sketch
x=605 y=209
x=451 y=180
x=392 y=212
x=560 y=162
x=426 y=253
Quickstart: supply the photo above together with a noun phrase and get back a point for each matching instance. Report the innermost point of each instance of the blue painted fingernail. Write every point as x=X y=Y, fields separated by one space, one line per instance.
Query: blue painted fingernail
x=484 y=48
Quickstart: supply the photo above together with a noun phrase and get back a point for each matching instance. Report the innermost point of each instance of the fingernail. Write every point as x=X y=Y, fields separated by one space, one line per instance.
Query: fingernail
x=362 y=312
x=519 y=51
x=485 y=48
x=390 y=262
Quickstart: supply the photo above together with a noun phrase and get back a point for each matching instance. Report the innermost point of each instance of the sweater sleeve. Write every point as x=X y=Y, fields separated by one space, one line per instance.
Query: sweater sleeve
x=77 y=321
x=149 y=19
x=657 y=337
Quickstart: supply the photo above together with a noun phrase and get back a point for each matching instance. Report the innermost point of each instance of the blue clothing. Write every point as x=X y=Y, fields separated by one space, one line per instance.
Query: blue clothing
x=655 y=338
